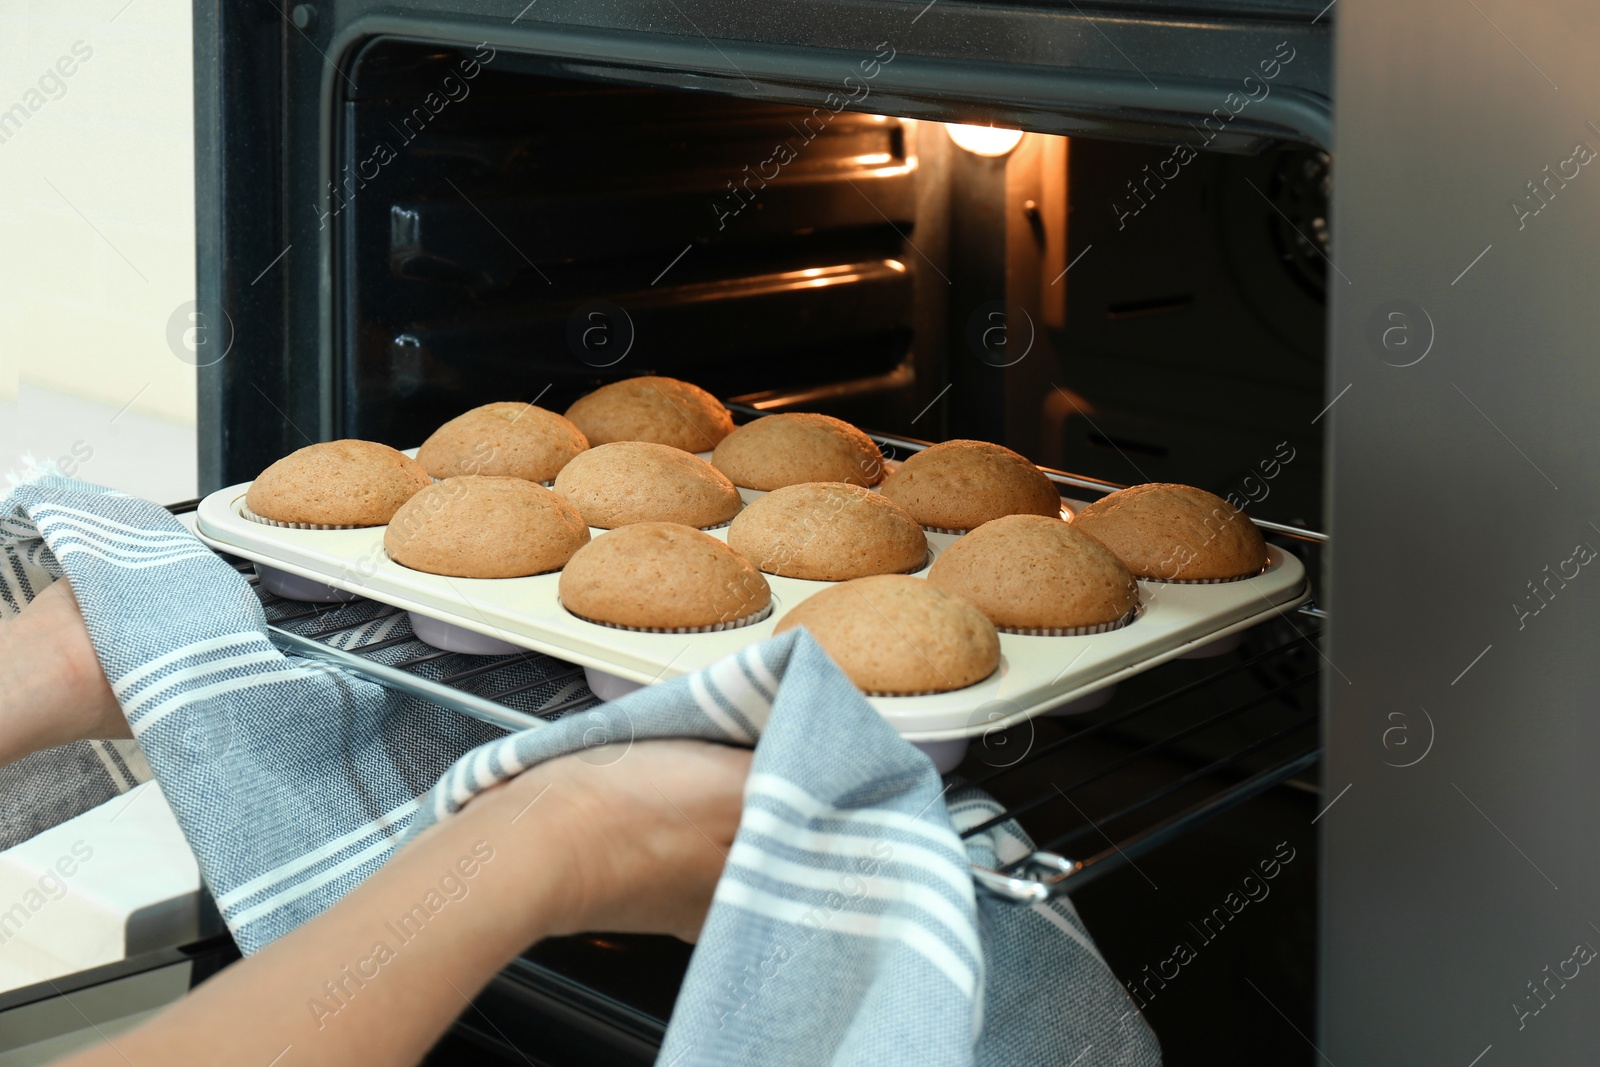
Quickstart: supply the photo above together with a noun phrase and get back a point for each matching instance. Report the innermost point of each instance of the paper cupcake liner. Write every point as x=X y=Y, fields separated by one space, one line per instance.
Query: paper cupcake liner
x=505 y=578
x=1065 y=514
x=707 y=529
x=551 y=484
x=925 y=561
x=716 y=627
x=1071 y=631
x=928 y=692
x=1204 y=581
x=246 y=513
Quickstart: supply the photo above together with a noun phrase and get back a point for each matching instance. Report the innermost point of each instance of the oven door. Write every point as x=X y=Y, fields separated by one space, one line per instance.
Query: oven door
x=42 y=1023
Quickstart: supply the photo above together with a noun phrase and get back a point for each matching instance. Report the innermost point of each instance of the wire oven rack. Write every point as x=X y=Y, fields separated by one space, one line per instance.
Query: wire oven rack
x=1149 y=770
x=1153 y=769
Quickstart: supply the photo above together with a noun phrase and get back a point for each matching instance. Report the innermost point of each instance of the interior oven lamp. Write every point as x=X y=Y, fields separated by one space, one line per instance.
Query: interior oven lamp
x=984 y=140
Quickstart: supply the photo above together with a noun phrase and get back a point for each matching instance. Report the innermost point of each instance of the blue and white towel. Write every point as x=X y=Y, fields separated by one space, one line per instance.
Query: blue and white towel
x=47 y=788
x=845 y=928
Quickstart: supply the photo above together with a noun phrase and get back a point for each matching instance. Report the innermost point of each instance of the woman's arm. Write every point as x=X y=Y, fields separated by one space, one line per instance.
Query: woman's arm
x=52 y=689
x=617 y=839
x=613 y=839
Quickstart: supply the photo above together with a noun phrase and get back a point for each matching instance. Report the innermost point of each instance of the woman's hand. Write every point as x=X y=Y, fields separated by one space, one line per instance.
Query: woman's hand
x=638 y=833
x=643 y=830
x=620 y=838
x=52 y=688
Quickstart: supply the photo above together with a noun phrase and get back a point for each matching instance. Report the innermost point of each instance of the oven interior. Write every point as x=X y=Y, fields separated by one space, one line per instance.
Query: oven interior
x=1094 y=304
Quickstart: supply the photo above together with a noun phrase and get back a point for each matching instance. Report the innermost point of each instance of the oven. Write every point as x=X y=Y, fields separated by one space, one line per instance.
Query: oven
x=1100 y=235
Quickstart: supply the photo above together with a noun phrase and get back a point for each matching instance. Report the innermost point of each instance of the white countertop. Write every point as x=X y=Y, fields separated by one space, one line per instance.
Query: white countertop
x=115 y=881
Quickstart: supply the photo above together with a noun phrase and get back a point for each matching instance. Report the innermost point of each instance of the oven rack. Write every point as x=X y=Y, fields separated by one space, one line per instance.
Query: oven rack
x=515 y=692
x=1156 y=770
x=529 y=689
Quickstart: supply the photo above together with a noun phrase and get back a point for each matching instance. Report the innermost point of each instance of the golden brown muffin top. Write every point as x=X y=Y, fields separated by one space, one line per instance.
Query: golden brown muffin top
x=661 y=576
x=506 y=439
x=828 y=532
x=661 y=410
x=1176 y=533
x=780 y=450
x=1029 y=572
x=636 y=481
x=960 y=485
x=485 y=527
x=337 y=483
x=892 y=634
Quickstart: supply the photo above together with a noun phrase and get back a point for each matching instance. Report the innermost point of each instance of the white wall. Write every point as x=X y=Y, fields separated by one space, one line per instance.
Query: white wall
x=97 y=239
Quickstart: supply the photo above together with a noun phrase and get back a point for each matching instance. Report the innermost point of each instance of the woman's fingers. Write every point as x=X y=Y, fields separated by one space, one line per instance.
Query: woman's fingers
x=647 y=829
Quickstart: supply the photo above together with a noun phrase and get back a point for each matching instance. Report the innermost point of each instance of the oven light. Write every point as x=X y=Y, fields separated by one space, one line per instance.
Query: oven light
x=983 y=140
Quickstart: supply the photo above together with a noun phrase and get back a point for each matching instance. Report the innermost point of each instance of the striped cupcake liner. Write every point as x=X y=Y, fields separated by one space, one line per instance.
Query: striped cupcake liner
x=703 y=529
x=716 y=627
x=928 y=692
x=498 y=578
x=551 y=484
x=1204 y=581
x=246 y=513
x=1065 y=514
x=926 y=559
x=1071 y=631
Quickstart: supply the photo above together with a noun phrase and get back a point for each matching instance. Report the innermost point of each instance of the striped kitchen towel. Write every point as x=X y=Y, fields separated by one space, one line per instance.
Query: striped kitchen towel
x=845 y=928
x=292 y=782
x=47 y=788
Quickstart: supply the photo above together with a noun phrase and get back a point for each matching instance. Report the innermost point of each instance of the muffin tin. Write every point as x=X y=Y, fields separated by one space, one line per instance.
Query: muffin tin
x=1036 y=674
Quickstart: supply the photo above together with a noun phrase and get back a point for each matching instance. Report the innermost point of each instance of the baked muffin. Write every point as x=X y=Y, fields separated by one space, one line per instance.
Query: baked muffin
x=781 y=450
x=828 y=532
x=894 y=635
x=335 y=484
x=661 y=410
x=508 y=439
x=1176 y=533
x=960 y=485
x=483 y=527
x=635 y=481
x=1032 y=574
x=666 y=577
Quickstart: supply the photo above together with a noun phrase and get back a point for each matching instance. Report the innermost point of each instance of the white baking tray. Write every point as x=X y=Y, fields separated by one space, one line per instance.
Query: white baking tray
x=1036 y=673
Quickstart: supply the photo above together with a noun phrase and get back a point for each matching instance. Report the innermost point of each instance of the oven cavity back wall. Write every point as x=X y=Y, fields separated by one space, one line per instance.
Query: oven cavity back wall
x=506 y=234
